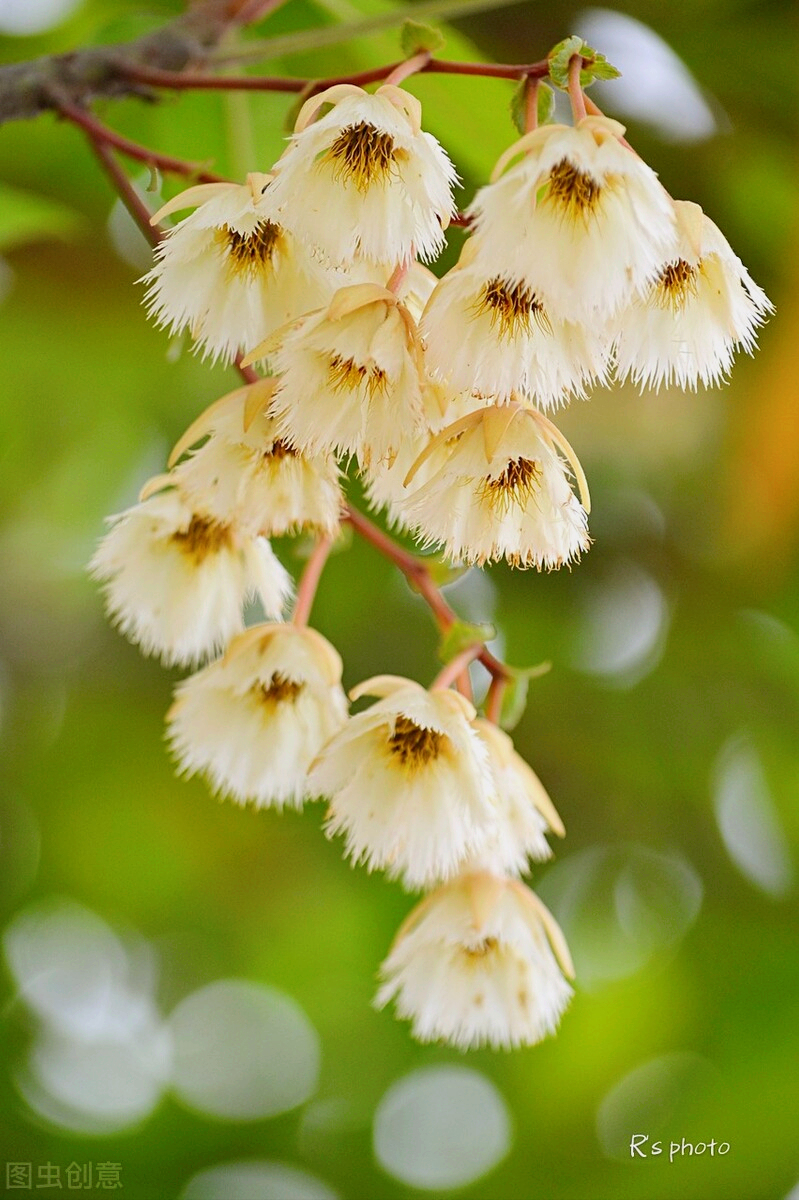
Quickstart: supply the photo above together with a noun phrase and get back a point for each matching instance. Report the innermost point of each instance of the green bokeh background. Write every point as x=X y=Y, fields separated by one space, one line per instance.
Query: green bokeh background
x=696 y=503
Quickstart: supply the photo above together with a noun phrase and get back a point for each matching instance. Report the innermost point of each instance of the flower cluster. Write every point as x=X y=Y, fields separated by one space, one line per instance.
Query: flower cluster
x=578 y=267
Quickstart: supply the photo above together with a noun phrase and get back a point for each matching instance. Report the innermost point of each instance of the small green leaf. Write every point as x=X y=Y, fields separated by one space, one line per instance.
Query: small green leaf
x=546 y=104
x=415 y=38
x=461 y=635
x=595 y=66
x=443 y=573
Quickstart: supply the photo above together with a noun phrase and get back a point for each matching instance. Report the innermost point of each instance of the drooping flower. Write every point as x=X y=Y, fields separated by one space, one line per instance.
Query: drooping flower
x=501 y=491
x=701 y=308
x=350 y=377
x=525 y=813
x=493 y=334
x=479 y=962
x=252 y=721
x=408 y=782
x=244 y=473
x=579 y=221
x=365 y=180
x=230 y=272
x=177 y=578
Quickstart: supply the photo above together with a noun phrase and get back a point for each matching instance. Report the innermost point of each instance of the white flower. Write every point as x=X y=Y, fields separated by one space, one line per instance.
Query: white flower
x=525 y=812
x=244 y=473
x=230 y=273
x=487 y=333
x=351 y=377
x=253 y=721
x=579 y=220
x=702 y=307
x=364 y=179
x=479 y=962
x=408 y=782
x=177 y=578
x=501 y=491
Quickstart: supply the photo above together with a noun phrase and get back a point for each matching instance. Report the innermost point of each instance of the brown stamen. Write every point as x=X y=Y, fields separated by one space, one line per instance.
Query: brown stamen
x=279 y=690
x=677 y=281
x=202 y=537
x=512 y=307
x=572 y=190
x=481 y=949
x=362 y=153
x=515 y=485
x=412 y=745
x=280 y=450
x=344 y=374
x=250 y=254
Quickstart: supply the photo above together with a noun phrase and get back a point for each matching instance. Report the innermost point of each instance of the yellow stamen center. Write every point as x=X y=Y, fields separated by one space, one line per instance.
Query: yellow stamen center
x=412 y=745
x=572 y=190
x=513 y=307
x=344 y=374
x=676 y=283
x=482 y=948
x=280 y=450
x=363 y=154
x=202 y=537
x=250 y=254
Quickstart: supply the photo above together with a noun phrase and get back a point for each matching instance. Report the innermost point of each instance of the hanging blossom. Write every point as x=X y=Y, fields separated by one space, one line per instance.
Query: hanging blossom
x=253 y=721
x=177 y=578
x=245 y=473
x=493 y=334
x=365 y=180
x=501 y=490
x=579 y=221
x=350 y=377
x=408 y=781
x=479 y=962
x=231 y=272
x=702 y=307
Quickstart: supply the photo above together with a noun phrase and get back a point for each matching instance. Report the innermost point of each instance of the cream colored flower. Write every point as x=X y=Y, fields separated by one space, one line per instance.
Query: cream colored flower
x=580 y=221
x=524 y=810
x=701 y=308
x=479 y=962
x=230 y=272
x=365 y=179
x=408 y=782
x=252 y=721
x=501 y=491
x=245 y=474
x=177 y=578
x=486 y=333
x=351 y=377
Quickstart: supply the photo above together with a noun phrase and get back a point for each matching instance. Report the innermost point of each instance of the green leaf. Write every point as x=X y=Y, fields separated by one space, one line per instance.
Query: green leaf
x=416 y=37
x=596 y=66
x=461 y=635
x=518 y=105
x=28 y=217
x=443 y=573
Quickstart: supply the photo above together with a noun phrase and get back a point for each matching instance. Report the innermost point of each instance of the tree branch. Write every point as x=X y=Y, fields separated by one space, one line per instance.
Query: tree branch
x=30 y=88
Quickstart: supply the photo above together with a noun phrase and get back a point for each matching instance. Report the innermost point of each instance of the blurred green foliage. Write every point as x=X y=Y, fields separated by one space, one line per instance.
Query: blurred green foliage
x=695 y=526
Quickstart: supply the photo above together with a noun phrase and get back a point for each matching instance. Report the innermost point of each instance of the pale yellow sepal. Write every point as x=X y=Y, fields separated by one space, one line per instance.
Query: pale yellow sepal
x=191 y=198
x=553 y=930
x=359 y=295
x=691 y=221
x=331 y=95
x=381 y=686
x=405 y=102
x=484 y=892
x=497 y=419
x=156 y=484
x=554 y=436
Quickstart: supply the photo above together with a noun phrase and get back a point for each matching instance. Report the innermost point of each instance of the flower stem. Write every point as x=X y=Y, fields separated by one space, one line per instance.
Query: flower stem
x=576 y=94
x=493 y=702
x=102 y=133
x=456 y=667
x=417 y=62
x=421 y=580
x=127 y=192
x=310 y=580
